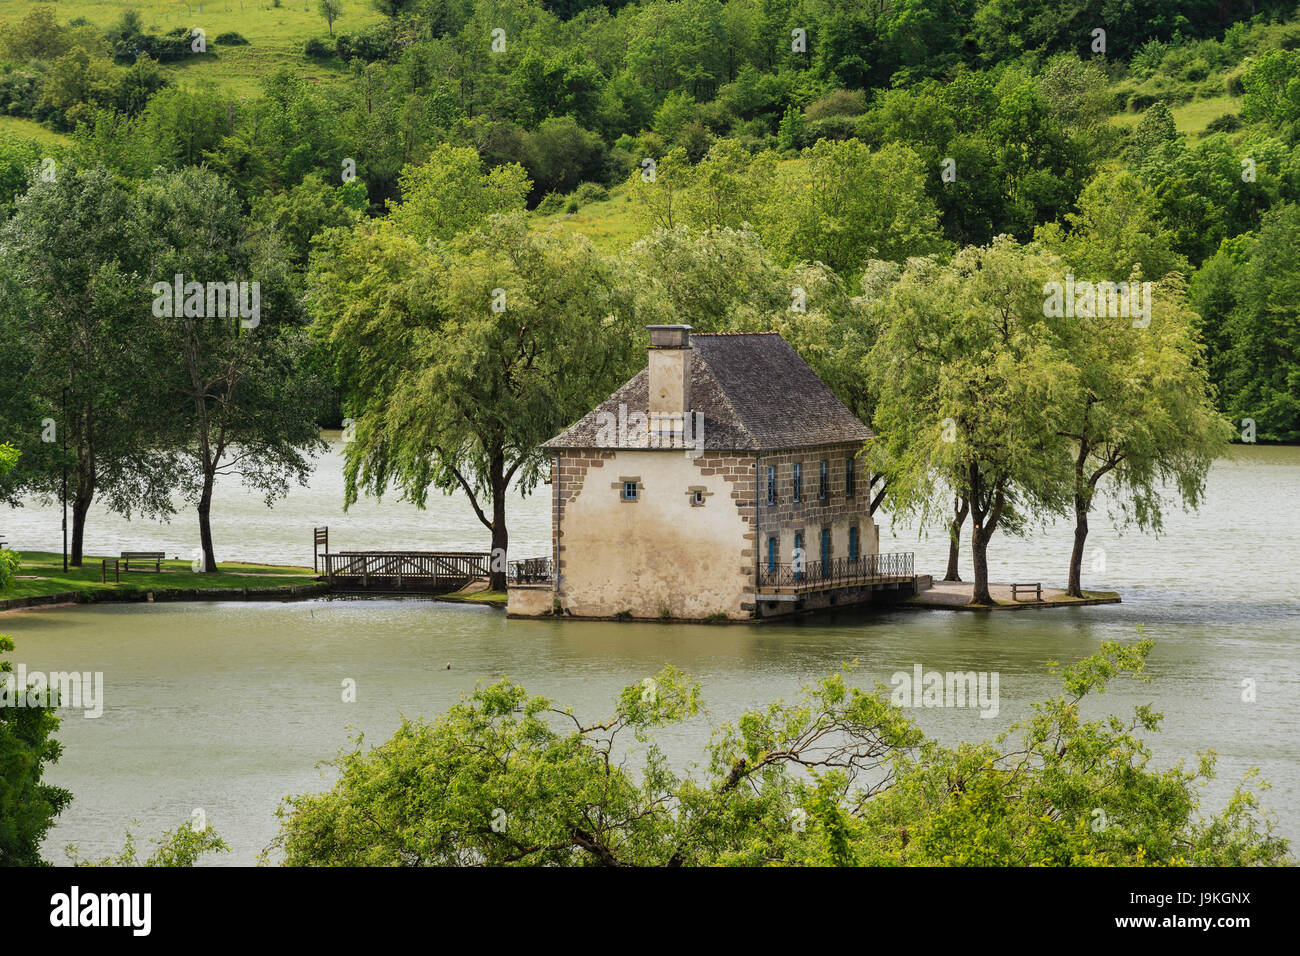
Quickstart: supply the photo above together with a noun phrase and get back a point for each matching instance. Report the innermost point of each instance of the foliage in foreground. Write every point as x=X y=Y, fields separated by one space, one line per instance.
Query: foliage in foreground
x=175 y=848
x=838 y=777
x=28 y=806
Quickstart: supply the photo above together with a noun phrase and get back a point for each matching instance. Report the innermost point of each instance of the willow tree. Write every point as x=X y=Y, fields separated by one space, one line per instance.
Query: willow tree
x=458 y=358
x=970 y=377
x=1141 y=414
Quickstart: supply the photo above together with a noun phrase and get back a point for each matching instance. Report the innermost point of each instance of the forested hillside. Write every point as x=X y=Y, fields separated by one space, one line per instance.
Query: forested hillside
x=839 y=131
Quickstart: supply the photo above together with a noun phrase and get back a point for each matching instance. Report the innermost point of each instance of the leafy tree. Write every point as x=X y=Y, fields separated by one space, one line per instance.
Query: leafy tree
x=970 y=383
x=299 y=214
x=838 y=776
x=74 y=277
x=393 y=8
x=290 y=132
x=846 y=204
x=458 y=358
x=1139 y=413
x=790 y=131
x=1117 y=228
x=659 y=191
x=28 y=805
x=1271 y=89
x=562 y=154
x=1155 y=130
x=331 y=10
x=450 y=193
x=243 y=396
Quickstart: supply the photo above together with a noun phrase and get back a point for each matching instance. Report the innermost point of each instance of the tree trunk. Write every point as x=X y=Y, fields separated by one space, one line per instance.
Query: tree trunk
x=1075 y=588
x=205 y=526
x=979 y=543
x=84 y=495
x=960 y=509
x=500 y=537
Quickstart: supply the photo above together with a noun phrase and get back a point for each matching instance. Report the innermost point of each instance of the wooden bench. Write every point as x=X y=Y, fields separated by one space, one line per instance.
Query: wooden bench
x=1036 y=587
x=103 y=570
x=156 y=557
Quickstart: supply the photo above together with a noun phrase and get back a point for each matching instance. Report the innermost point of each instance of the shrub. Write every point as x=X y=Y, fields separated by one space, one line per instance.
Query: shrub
x=231 y=39
x=551 y=203
x=591 y=192
x=377 y=43
x=838 y=103
x=316 y=49
x=1227 y=123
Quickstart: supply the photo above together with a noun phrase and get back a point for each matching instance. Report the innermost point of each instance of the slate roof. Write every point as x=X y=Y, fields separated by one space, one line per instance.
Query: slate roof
x=755 y=392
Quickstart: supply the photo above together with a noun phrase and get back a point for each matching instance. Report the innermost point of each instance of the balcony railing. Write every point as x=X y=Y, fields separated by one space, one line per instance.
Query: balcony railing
x=837 y=572
x=529 y=571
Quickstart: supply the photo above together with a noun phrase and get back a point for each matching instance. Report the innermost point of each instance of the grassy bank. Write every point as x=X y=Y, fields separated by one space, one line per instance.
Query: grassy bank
x=42 y=573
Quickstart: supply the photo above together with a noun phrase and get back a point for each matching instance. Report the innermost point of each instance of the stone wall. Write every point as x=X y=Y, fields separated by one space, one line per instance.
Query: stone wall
x=838 y=511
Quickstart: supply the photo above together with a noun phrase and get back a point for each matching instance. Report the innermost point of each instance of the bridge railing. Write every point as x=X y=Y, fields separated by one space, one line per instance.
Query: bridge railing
x=866 y=569
x=421 y=568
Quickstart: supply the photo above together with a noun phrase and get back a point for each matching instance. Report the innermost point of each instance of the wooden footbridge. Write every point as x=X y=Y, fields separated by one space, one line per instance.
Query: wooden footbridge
x=399 y=572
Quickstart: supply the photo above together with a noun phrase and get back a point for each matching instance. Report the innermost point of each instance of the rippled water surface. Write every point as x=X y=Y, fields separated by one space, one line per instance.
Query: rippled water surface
x=230 y=706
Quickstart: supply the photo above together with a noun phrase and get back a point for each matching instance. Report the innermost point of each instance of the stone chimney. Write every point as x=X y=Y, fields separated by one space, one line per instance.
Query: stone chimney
x=670 y=368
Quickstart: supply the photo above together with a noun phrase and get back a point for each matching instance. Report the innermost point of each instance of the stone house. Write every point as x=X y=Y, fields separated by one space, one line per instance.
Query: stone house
x=722 y=481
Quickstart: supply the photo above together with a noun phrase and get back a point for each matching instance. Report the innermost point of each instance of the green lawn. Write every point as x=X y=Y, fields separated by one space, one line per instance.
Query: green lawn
x=275 y=34
x=42 y=573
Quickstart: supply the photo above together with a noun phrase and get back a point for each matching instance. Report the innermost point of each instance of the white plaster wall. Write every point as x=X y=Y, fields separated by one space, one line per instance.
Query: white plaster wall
x=658 y=553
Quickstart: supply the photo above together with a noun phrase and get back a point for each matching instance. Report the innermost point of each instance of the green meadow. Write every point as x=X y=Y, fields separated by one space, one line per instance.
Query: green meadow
x=275 y=34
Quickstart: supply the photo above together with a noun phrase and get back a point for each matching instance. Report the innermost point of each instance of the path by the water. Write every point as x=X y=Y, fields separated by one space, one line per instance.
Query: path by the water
x=956 y=595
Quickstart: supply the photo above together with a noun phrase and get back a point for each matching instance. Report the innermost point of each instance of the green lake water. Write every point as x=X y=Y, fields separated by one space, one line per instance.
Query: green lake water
x=228 y=706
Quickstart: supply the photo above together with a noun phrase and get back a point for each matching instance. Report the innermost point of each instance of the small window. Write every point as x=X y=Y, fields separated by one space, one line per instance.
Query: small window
x=771 y=484
x=630 y=491
x=826 y=549
x=853 y=543
x=823 y=479
x=798 y=481
x=771 y=555
x=699 y=497
x=850 y=478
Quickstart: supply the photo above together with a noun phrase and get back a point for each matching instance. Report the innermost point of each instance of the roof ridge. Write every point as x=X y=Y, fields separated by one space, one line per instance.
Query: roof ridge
x=703 y=335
